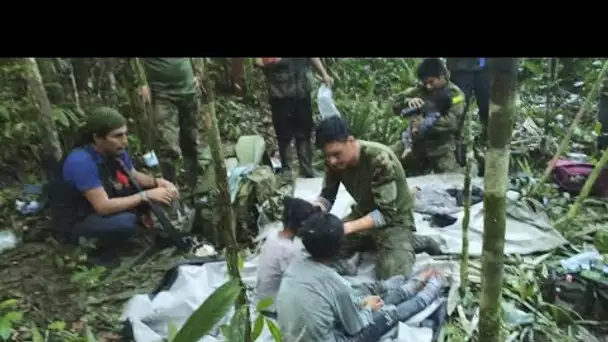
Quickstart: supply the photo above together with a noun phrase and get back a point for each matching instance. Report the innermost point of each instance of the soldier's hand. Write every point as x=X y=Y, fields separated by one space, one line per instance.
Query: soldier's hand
x=161 y=195
x=320 y=205
x=406 y=153
x=415 y=103
x=145 y=94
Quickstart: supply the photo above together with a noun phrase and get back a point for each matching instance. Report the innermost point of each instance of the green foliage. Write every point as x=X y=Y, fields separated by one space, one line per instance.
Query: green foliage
x=210 y=312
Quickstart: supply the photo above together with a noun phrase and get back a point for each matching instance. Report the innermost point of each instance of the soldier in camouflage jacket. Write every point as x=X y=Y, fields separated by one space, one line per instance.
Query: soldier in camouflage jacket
x=382 y=216
x=430 y=142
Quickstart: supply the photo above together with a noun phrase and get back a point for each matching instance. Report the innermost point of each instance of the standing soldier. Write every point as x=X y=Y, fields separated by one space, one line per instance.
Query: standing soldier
x=602 y=116
x=472 y=77
x=430 y=141
x=289 y=88
x=172 y=90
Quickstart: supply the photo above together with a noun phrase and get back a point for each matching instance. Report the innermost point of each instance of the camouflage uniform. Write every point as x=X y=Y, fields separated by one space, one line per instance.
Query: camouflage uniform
x=378 y=182
x=176 y=109
x=289 y=91
x=436 y=149
x=602 y=116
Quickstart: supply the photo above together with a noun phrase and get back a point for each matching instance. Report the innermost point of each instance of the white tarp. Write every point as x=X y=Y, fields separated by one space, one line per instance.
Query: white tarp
x=150 y=317
x=529 y=233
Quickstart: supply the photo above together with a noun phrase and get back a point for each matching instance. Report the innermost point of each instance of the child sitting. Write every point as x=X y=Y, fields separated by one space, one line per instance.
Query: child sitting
x=279 y=250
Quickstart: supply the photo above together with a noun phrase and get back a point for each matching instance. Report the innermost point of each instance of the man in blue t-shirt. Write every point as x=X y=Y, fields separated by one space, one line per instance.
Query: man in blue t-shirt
x=96 y=199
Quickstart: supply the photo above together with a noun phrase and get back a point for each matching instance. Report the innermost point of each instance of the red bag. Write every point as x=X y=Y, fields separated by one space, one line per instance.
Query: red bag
x=571 y=177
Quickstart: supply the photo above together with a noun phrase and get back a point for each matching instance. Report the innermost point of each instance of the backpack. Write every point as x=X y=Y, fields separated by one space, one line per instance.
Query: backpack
x=571 y=176
x=585 y=293
x=256 y=192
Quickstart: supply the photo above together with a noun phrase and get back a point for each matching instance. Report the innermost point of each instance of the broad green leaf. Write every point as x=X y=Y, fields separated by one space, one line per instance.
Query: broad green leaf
x=274 y=330
x=209 y=313
x=13 y=316
x=5 y=331
x=57 y=326
x=598 y=128
x=264 y=303
x=36 y=335
x=172 y=331
x=257 y=327
x=9 y=303
x=241 y=261
x=89 y=334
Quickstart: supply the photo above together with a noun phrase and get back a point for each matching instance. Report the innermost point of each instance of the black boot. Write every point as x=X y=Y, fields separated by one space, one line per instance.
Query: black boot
x=283 y=147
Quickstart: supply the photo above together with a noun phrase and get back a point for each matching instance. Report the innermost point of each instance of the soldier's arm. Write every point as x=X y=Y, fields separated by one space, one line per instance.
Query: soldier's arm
x=329 y=192
x=401 y=99
x=383 y=182
x=318 y=65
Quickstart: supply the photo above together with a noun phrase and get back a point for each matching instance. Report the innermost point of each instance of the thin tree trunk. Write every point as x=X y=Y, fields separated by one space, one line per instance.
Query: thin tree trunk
x=238 y=76
x=470 y=158
x=52 y=147
x=500 y=129
x=225 y=209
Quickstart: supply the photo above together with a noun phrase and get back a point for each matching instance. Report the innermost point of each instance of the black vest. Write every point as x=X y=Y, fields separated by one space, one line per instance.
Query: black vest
x=69 y=206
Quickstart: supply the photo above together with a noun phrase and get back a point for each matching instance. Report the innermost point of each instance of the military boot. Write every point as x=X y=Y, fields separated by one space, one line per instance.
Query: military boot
x=304 y=150
x=425 y=244
x=285 y=167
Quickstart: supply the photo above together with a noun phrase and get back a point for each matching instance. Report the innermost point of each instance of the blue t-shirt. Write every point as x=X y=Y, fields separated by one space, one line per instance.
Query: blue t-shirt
x=81 y=169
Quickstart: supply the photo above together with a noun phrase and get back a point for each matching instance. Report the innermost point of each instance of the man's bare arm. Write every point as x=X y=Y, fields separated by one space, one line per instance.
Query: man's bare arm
x=318 y=65
x=108 y=206
x=144 y=180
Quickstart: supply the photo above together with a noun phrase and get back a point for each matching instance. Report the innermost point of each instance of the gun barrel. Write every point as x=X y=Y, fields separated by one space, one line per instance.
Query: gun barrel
x=409 y=111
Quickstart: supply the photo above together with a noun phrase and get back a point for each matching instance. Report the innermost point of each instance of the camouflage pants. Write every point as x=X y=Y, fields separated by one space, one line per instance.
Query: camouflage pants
x=418 y=162
x=176 y=119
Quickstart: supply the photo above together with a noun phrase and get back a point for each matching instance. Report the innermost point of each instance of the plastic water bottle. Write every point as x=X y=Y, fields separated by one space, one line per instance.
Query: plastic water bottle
x=326 y=104
x=8 y=240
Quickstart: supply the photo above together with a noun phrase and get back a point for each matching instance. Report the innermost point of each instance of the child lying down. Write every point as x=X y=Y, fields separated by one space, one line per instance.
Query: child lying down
x=315 y=303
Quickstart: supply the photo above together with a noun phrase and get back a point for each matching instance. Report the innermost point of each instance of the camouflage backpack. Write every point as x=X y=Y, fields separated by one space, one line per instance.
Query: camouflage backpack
x=254 y=193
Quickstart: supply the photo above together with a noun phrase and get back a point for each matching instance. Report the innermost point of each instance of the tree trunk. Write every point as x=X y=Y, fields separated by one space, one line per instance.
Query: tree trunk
x=500 y=129
x=52 y=146
x=470 y=158
x=238 y=76
x=225 y=210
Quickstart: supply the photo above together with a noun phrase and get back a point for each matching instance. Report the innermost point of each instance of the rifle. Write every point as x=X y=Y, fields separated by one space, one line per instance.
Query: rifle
x=179 y=240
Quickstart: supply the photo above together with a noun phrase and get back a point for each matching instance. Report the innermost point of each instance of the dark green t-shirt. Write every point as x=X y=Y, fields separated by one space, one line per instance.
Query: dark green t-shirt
x=171 y=76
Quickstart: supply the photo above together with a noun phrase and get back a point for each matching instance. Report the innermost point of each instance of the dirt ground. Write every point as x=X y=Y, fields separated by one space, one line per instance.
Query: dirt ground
x=51 y=283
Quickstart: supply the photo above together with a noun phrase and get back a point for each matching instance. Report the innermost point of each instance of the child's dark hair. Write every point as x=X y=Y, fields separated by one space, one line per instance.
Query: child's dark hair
x=322 y=235
x=296 y=211
x=332 y=129
x=442 y=99
x=431 y=67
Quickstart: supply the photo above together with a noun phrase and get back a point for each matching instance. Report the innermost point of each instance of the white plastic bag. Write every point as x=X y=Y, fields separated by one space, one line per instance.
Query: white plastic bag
x=326 y=104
